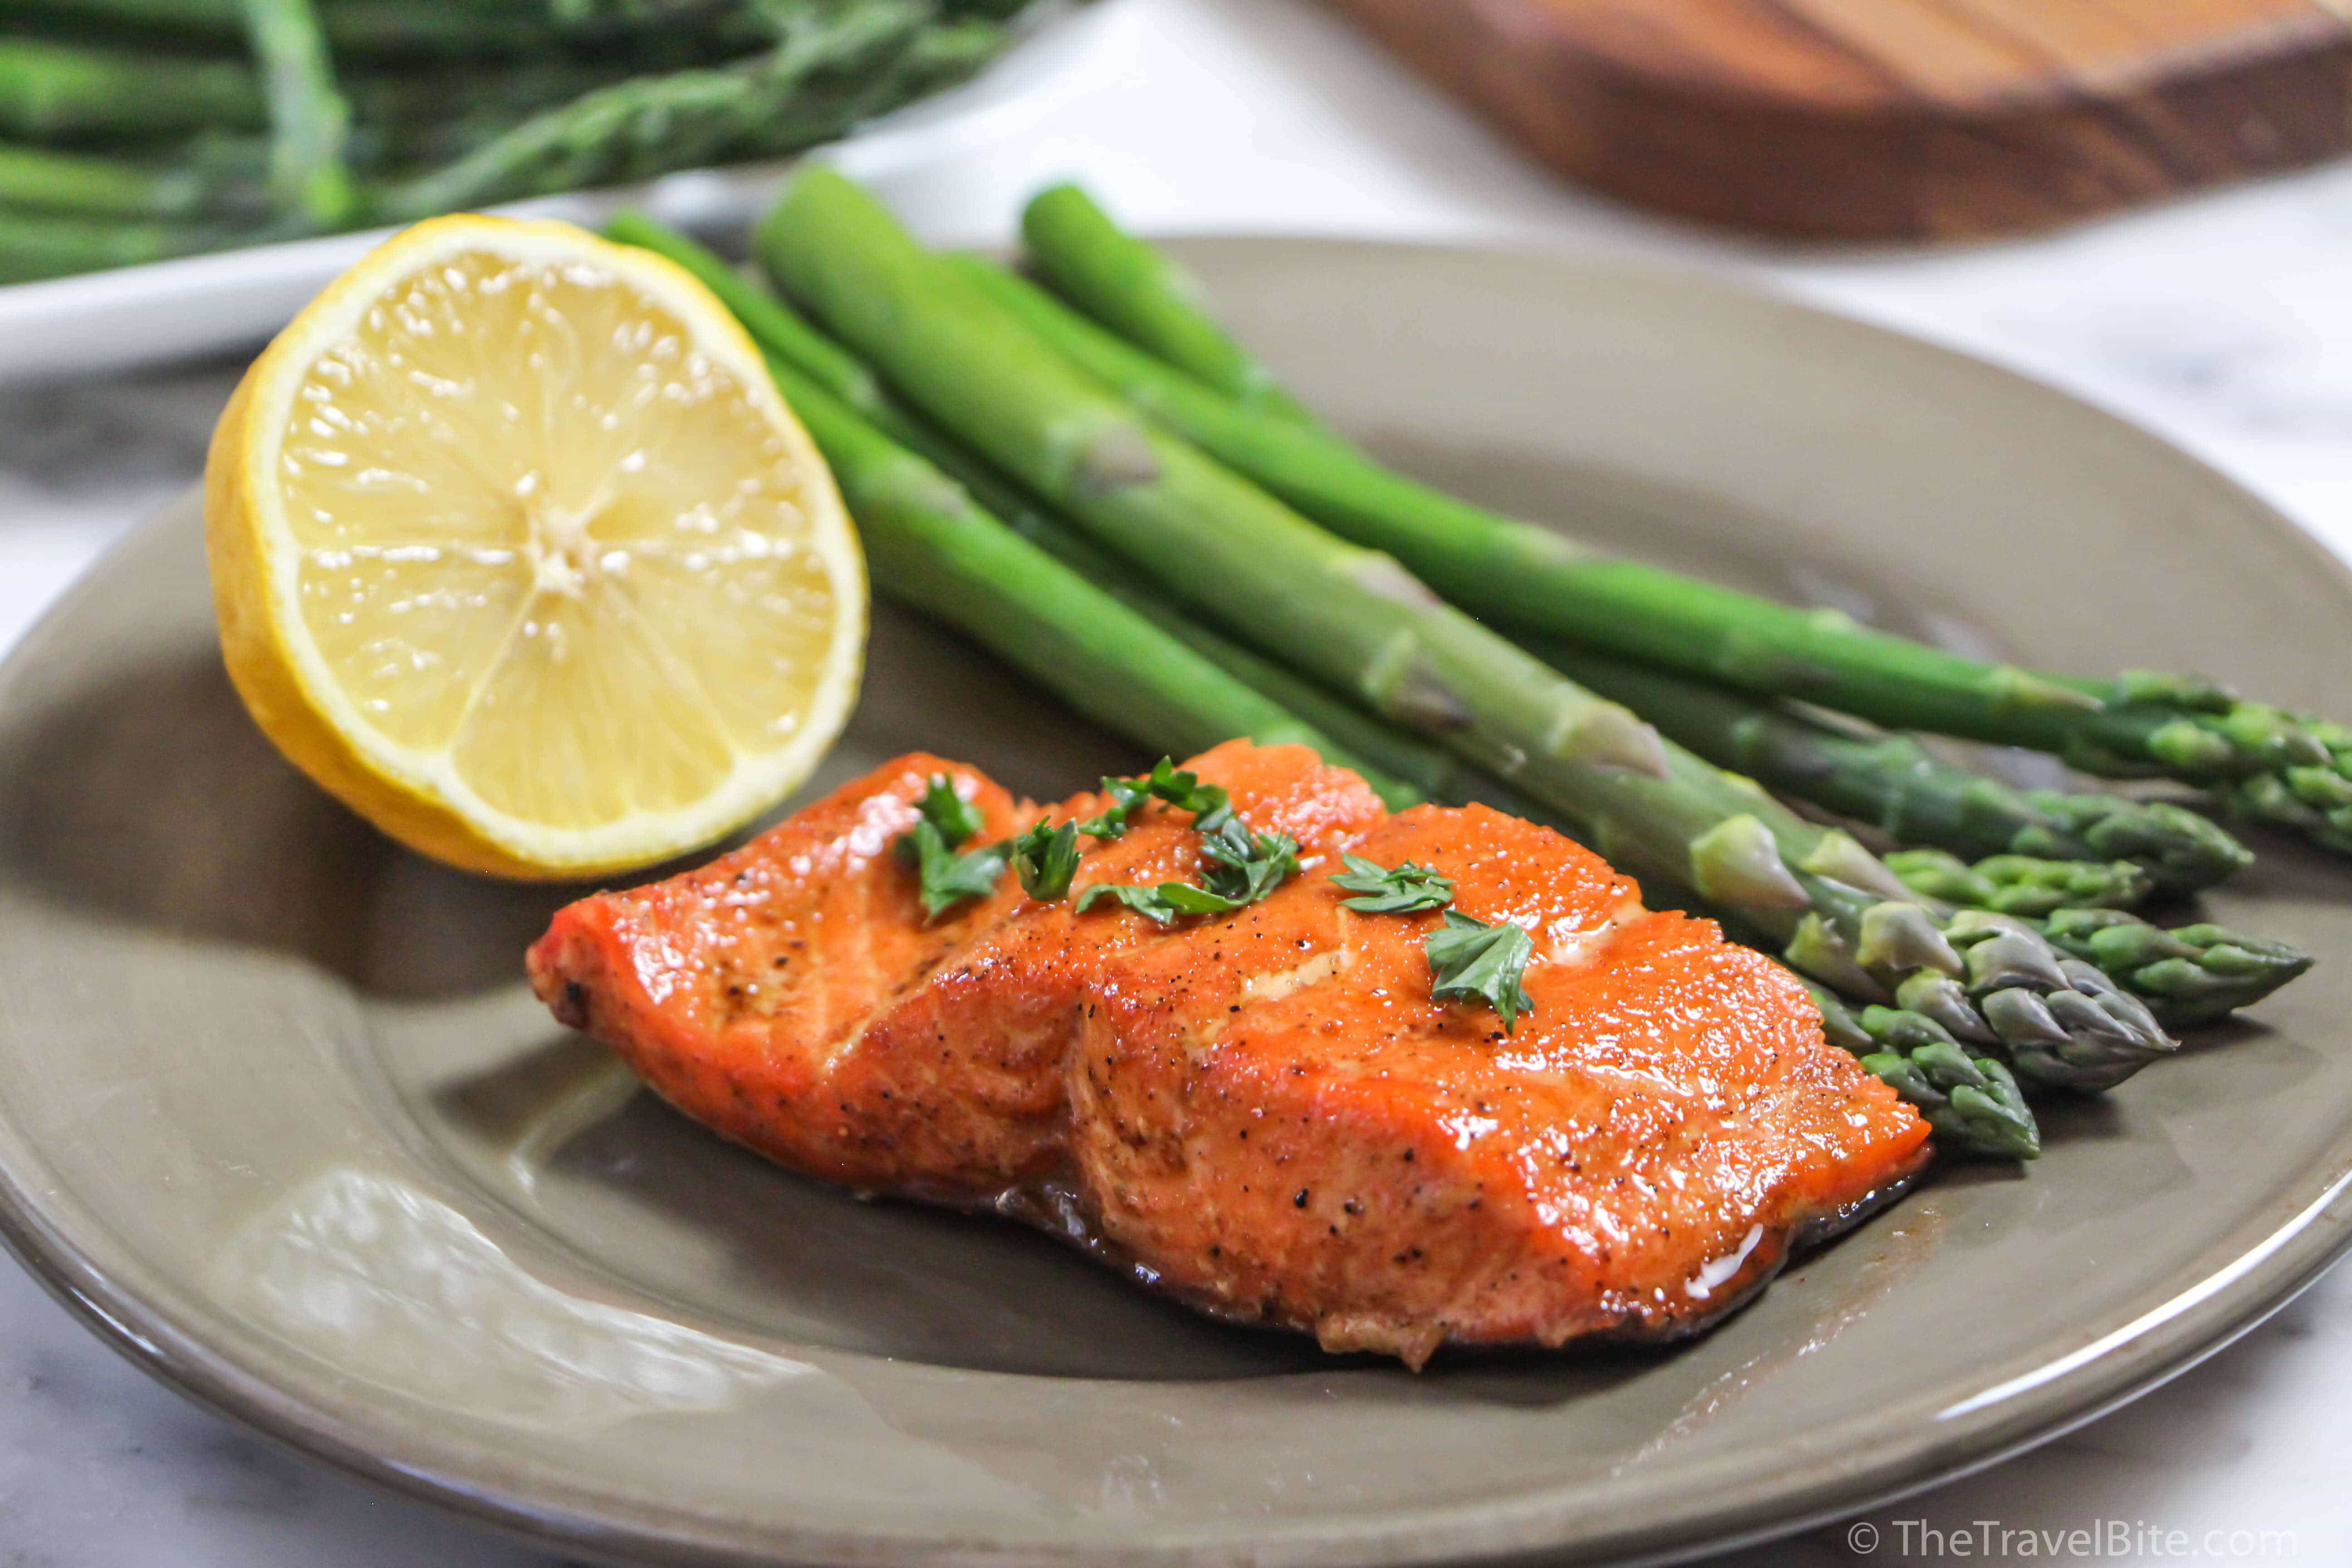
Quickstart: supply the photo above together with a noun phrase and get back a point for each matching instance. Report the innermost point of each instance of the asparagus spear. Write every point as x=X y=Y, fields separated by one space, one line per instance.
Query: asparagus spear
x=1145 y=296
x=452 y=28
x=819 y=81
x=1354 y=619
x=1530 y=577
x=210 y=176
x=1892 y=783
x=932 y=547
x=2314 y=801
x=37 y=245
x=1971 y=1100
x=310 y=120
x=2019 y=884
x=2189 y=974
x=59 y=92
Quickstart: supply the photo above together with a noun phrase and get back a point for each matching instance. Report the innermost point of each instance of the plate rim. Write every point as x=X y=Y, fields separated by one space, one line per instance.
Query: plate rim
x=2070 y=1390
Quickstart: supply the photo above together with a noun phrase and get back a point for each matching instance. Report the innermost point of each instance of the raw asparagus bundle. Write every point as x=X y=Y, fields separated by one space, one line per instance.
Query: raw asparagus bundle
x=865 y=59
x=524 y=98
x=942 y=553
x=1145 y=296
x=1354 y=620
x=2261 y=759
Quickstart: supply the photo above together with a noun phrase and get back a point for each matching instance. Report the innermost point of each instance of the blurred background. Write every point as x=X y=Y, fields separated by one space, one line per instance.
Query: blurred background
x=2142 y=212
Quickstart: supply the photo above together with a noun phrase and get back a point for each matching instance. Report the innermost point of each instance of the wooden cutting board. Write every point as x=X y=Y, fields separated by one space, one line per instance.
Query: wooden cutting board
x=1893 y=119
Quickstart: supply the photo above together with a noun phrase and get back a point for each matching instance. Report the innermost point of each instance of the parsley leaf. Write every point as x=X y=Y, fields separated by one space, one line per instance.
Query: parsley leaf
x=1245 y=866
x=1211 y=806
x=1472 y=959
x=949 y=821
x=1407 y=890
x=949 y=878
x=1147 y=901
x=956 y=818
x=1126 y=796
x=1046 y=858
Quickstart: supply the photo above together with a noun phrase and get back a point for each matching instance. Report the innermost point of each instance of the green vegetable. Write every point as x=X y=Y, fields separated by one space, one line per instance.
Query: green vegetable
x=957 y=818
x=1392 y=890
x=1893 y=784
x=1359 y=622
x=1471 y=961
x=929 y=546
x=1247 y=866
x=1134 y=288
x=1971 y=1100
x=823 y=77
x=209 y=176
x=51 y=91
x=36 y=245
x=2188 y=975
x=2264 y=760
x=2021 y=884
x=1244 y=868
x=933 y=546
x=1046 y=858
x=310 y=120
x=948 y=822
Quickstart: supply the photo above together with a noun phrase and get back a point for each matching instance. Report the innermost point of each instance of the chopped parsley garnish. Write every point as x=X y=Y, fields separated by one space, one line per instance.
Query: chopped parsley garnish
x=1211 y=806
x=1046 y=858
x=1244 y=868
x=1471 y=959
x=957 y=818
x=1407 y=890
x=948 y=822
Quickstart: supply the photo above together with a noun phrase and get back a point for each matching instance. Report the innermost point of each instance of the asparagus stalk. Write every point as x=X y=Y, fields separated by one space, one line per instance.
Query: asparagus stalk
x=821 y=80
x=1356 y=620
x=932 y=547
x=210 y=178
x=1144 y=296
x=310 y=120
x=2188 y=975
x=2314 y=801
x=1892 y=783
x=1530 y=577
x=2019 y=884
x=1971 y=1100
x=37 y=245
x=451 y=28
x=52 y=92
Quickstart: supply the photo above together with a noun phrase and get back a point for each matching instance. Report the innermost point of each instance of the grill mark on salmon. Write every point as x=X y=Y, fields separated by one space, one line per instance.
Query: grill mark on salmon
x=1264 y=1114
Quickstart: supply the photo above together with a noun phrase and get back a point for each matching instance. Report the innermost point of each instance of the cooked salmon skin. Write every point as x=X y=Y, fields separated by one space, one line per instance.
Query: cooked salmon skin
x=1264 y=1113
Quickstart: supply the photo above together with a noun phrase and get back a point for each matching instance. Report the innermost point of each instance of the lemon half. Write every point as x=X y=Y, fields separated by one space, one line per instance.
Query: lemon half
x=517 y=550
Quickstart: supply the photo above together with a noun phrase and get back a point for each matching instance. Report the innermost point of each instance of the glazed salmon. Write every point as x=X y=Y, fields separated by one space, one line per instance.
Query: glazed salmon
x=1264 y=1113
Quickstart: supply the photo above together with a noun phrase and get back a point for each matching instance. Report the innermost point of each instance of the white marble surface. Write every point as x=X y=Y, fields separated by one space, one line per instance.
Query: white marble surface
x=2223 y=322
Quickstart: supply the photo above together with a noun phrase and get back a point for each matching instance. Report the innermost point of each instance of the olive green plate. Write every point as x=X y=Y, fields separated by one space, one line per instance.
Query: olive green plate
x=278 y=1119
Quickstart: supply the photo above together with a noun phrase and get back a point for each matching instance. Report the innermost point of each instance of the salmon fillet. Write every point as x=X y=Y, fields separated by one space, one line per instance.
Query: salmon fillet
x=1262 y=1113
